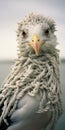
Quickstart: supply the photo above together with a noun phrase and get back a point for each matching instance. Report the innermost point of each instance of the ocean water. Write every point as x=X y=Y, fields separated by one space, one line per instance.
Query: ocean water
x=4 y=70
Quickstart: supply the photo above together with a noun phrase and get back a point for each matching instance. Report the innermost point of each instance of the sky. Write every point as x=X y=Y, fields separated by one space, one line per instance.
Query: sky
x=13 y=11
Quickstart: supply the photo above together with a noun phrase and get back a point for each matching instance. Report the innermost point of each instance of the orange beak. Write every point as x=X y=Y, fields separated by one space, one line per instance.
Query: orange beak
x=35 y=43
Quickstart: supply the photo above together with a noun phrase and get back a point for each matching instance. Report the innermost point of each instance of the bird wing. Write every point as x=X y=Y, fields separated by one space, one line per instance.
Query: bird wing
x=26 y=116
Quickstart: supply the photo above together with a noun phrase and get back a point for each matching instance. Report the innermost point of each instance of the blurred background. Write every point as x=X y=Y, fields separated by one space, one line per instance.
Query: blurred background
x=12 y=12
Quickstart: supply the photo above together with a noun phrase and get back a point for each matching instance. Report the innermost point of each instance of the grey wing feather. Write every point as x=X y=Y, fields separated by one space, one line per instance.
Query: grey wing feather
x=26 y=116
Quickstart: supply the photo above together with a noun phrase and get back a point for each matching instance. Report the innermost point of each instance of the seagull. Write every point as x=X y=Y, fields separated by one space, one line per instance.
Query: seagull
x=30 y=96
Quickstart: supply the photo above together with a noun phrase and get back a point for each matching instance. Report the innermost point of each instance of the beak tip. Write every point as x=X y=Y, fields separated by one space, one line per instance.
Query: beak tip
x=37 y=53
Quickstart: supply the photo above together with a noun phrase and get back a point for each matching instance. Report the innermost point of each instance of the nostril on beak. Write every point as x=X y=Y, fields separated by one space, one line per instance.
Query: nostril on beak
x=32 y=40
x=38 y=40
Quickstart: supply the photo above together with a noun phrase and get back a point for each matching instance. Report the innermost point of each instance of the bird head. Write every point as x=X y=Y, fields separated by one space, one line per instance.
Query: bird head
x=36 y=34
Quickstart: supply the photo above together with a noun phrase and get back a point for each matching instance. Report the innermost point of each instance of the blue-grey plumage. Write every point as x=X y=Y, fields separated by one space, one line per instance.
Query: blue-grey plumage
x=26 y=116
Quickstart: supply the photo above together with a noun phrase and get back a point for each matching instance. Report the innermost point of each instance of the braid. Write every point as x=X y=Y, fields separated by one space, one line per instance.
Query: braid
x=33 y=75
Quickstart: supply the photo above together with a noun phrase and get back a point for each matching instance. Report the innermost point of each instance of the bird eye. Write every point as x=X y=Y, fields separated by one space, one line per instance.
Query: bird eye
x=47 y=31
x=24 y=34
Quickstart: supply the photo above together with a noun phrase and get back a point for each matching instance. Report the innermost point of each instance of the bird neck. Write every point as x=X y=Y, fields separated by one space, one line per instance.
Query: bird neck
x=51 y=50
